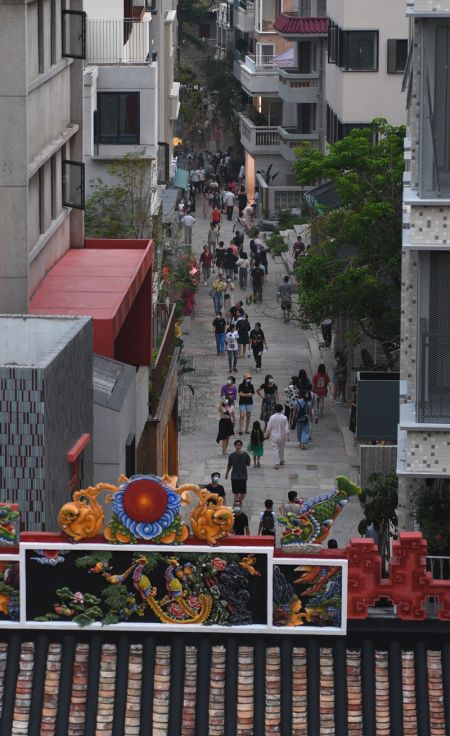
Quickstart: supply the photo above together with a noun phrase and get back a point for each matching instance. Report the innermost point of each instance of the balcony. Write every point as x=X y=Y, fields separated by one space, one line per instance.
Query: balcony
x=164 y=352
x=259 y=139
x=111 y=42
x=174 y=100
x=291 y=138
x=244 y=15
x=258 y=75
x=295 y=87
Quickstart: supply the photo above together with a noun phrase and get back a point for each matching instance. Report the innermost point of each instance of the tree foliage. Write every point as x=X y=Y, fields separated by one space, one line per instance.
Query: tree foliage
x=354 y=268
x=380 y=501
x=122 y=207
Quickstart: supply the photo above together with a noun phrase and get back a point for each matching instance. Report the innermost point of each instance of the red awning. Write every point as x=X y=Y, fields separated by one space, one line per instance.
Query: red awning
x=292 y=25
x=101 y=280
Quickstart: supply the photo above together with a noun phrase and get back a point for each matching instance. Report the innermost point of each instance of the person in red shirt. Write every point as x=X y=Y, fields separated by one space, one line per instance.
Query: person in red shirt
x=216 y=217
x=206 y=262
x=320 y=383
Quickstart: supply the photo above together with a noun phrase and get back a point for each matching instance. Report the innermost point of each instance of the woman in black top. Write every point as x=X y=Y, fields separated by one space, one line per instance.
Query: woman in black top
x=303 y=381
x=268 y=391
x=226 y=424
x=257 y=341
x=243 y=328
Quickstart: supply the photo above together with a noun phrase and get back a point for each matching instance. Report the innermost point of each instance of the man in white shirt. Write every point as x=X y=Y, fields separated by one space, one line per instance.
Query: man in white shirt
x=248 y=214
x=229 y=200
x=187 y=222
x=231 y=344
x=278 y=431
x=201 y=178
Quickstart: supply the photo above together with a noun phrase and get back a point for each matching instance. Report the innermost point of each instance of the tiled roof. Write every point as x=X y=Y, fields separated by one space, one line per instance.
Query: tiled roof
x=291 y=25
x=111 y=685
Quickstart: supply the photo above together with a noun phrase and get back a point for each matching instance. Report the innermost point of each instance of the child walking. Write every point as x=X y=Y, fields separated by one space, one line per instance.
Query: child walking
x=256 y=444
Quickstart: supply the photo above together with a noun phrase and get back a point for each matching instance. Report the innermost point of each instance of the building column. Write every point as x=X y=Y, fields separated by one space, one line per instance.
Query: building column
x=407 y=489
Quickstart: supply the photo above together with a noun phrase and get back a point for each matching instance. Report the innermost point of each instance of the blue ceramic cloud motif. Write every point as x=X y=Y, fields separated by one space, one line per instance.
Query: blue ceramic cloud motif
x=146 y=506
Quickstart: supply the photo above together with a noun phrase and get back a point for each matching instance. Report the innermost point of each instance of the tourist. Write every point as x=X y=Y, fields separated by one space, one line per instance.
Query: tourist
x=320 y=383
x=213 y=236
x=246 y=392
x=242 y=201
x=240 y=525
x=187 y=223
x=258 y=342
x=332 y=544
x=267 y=520
x=303 y=380
x=243 y=265
x=293 y=504
x=215 y=486
x=248 y=214
x=216 y=216
x=228 y=288
x=229 y=202
x=216 y=293
x=238 y=462
x=239 y=228
x=277 y=431
x=229 y=390
x=268 y=392
x=226 y=424
x=243 y=328
x=229 y=263
x=298 y=249
x=303 y=419
x=206 y=258
x=285 y=298
x=257 y=275
x=231 y=345
x=256 y=445
x=219 y=325
x=339 y=376
x=220 y=256
x=292 y=393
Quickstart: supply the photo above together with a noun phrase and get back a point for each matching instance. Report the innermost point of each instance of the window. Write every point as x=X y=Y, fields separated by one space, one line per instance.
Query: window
x=40 y=30
x=353 y=50
x=118 y=114
x=264 y=53
x=306 y=118
x=305 y=8
x=434 y=170
x=74 y=34
x=53 y=185
x=73 y=184
x=53 y=32
x=41 y=183
x=397 y=55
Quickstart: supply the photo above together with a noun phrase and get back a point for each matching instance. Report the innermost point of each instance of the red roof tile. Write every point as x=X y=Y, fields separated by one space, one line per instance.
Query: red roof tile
x=290 y=25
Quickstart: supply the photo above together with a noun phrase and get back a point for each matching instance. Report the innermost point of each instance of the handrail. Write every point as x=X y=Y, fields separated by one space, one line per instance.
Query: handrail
x=111 y=41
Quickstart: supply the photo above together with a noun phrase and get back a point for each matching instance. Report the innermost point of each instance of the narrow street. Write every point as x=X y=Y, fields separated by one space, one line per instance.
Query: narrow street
x=309 y=472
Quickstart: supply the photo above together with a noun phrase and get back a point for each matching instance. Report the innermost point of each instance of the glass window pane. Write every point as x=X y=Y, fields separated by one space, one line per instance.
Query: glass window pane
x=360 y=50
x=73 y=184
x=401 y=55
x=129 y=118
x=74 y=34
x=107 y=109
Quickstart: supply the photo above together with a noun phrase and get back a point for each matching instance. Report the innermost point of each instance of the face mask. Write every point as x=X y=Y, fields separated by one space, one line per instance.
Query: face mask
x=270 y=382
x=247 y=381
x=236 y=509
x=215 y=478
x=229 y=380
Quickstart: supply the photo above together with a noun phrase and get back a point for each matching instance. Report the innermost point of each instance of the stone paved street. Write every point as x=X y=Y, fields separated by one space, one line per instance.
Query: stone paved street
x=331 y=451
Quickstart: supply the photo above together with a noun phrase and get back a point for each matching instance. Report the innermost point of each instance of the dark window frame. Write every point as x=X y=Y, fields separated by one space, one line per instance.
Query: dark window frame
x=118 y=139
x=53 y=186
x=65 y=202
x=393 y=65
x=68 y=53
x=344 y=51
x=40 y=33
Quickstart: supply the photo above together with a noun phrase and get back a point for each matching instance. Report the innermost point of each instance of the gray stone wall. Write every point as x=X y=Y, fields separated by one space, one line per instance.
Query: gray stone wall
x=376 y=459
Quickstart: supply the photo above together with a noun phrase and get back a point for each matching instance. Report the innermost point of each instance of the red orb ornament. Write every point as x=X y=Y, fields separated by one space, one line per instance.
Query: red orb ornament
x=144 y=500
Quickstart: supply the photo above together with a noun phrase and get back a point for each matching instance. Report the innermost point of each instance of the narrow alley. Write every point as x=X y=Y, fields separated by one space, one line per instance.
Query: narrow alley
x=310 y=472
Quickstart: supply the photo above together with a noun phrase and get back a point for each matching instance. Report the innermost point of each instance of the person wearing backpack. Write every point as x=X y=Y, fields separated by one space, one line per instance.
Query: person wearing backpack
x=277 y=430
x=267 y=520
x=303 y=417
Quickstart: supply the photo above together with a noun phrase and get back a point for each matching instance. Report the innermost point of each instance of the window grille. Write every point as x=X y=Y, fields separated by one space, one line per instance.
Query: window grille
x=434 y=174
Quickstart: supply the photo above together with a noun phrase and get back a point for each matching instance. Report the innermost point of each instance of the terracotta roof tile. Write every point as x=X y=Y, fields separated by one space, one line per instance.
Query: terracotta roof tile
x=291 y=25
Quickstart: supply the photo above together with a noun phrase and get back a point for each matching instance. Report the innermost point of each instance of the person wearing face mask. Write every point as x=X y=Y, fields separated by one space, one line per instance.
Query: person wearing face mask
x=240 y=525
x=268 y=392
x=226 y=424
x=257 y=342
x=215 y=486
x=229 y=390
x=246 y=392
x=238 y=462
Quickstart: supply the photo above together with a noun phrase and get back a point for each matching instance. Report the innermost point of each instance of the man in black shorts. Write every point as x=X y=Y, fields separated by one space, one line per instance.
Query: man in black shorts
x=238 y=462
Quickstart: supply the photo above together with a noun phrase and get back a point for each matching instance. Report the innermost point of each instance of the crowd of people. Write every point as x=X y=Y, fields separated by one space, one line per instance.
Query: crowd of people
x=242 y=264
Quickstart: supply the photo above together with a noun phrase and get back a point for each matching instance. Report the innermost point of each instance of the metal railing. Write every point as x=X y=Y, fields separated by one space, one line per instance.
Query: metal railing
x=439 y=567
x=433 y=404
x=118 y=41
x=264 y=136
x=164 y=322
x=260 y=64
x=246 y=5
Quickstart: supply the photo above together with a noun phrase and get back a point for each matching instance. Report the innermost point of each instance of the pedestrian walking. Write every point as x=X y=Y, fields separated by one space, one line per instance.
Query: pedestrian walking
x=229 y=390
x=246 y=391
x=213 y=237
x=229 y=287
x=226 y=424
x=220 y=256
x=229 y=201
x=238 y=462
x=267 y=520
x=268 y=392
x=231 y=345
x=243 y=265
x=339 y=376
x=257 y=280
x=242 y=200
x=187 y=222
x=292 y=394
x=320 y=383
x=285 y=298
x=249 y=217
x=215 y=486
x=216 y=293
x=256 y=445
x=304 y=419
x=206 y=259
x=239 y=228
x=293 y=504
x=243 y=328
x=240 y=525
x=298 y=249
x=219 y=325
x=303 y=380
x=216 y=216
x=257 y=342
x=277 y=430
x=229 y=263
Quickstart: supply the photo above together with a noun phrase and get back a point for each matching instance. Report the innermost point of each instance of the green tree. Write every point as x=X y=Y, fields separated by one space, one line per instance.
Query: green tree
x=122 y=208
x=354 y=268
x=379 y=501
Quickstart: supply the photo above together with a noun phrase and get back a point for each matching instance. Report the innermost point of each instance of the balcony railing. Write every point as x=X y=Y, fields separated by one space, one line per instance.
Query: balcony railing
x=118 y=41
x=439 y=567
x=433 y=403
x=164 y=342
x=260 y=64
x=256 y=138
x=246 y=5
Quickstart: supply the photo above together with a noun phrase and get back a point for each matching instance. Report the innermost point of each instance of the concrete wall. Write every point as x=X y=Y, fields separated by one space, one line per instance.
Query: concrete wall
x=111 y=430
x=358 y=97
x=376 y=459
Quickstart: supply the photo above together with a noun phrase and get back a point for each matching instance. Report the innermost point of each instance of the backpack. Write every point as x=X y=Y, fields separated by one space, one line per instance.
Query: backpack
x=302 y=414
x=215 y=216
x=267 y=523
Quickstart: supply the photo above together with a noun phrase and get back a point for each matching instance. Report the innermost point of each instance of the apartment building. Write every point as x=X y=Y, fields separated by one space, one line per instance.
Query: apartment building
x=41 y=137
x=131 y=98
x=424 y=430
x=367 y=51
